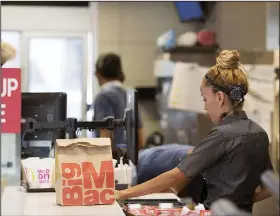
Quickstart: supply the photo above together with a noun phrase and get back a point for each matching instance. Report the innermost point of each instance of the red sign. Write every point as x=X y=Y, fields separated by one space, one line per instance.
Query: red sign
x=84 y=185
x=10 y=100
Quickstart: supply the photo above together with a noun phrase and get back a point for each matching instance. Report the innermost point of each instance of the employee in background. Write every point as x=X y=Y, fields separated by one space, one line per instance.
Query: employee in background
x=233 y=155
x=8 y=52
x=111 y=100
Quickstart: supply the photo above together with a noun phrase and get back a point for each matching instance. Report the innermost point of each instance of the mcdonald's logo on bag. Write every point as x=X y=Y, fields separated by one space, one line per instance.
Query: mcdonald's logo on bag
x=30 y=172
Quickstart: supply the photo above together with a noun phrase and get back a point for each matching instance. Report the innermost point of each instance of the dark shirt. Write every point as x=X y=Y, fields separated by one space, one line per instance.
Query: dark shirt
x=111 y=101
x=231 y=158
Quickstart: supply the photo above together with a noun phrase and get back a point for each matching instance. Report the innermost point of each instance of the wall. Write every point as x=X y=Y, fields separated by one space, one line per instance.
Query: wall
x=238 y=29
x=27 y=18
x=131 y=29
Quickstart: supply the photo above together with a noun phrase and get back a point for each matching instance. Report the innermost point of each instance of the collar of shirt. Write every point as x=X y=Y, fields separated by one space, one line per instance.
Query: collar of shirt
x=237 y=115
x=114 y=83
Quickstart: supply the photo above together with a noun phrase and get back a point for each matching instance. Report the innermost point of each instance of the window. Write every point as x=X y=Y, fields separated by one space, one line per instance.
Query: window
x=56 y=64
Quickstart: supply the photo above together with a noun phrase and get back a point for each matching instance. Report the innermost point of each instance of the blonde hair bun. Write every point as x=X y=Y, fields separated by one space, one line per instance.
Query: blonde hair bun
x=228 y=59
x=8 y=52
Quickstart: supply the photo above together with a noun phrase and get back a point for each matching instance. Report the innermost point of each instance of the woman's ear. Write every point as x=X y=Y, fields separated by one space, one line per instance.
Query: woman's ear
x=221 y=98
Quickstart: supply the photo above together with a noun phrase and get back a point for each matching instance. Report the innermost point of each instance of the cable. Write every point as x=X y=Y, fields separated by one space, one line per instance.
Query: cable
x=78 y=132
x=23 y=142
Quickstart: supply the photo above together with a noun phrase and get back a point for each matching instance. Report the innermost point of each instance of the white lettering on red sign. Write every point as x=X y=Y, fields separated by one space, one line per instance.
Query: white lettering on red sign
x=3 y=108
x=9 y=85
x=10 y=100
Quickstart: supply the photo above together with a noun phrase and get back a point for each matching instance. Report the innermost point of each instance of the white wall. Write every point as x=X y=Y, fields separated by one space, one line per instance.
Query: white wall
x=238 y=29
x=27 y=18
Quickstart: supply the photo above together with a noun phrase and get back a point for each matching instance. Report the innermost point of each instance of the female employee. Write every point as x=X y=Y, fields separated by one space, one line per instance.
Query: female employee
x=111 y=100
x=233 y=155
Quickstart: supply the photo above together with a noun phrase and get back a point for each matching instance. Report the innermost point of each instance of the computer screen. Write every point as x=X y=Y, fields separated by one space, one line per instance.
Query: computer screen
x=131 y=126
x=44 y=107
x=188 y=10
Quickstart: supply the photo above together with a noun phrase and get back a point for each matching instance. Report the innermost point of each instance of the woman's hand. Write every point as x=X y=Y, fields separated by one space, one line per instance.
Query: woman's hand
x=119 y=195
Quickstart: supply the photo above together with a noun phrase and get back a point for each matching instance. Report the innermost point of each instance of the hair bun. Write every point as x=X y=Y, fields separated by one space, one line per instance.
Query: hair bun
x=228 y=59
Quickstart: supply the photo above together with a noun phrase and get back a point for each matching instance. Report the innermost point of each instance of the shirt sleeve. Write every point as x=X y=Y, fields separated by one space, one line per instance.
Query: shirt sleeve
x=102 y=107
x=204 y=155
x=268 y=159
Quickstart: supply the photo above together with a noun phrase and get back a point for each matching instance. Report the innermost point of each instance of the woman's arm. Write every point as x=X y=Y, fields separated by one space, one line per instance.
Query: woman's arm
x=161 y=183
x=203 y=156
x=261 y=194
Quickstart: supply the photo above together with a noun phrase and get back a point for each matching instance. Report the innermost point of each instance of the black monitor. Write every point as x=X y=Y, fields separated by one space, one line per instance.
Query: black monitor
x=131 y=126
x=43 y=107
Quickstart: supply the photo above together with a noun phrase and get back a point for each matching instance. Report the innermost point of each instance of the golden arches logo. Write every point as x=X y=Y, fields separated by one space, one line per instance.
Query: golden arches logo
x=31 y=172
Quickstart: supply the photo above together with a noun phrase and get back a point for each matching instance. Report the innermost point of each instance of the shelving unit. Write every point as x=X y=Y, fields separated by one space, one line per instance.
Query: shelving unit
x=195 y=49
x=181 y=126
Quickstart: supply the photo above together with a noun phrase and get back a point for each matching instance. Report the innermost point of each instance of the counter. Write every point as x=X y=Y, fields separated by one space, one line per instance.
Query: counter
x=16 y=201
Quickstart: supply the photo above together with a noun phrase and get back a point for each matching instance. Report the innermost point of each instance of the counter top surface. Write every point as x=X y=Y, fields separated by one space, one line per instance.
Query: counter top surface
x=16 y=201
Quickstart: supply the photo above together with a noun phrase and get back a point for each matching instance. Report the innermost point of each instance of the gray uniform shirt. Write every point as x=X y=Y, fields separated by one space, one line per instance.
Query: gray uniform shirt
x=111 y=101
x=231 y=159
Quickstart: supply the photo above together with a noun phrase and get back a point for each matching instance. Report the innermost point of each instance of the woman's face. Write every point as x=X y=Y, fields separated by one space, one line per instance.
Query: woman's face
x=212 y=103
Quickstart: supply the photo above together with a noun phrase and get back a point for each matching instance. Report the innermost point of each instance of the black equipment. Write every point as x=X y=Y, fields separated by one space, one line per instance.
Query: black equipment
x=33 y=125
x=41 y=107
x=47 y=108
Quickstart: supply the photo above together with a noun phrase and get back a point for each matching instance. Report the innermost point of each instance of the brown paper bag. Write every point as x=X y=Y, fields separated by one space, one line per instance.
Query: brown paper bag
x=84 y=172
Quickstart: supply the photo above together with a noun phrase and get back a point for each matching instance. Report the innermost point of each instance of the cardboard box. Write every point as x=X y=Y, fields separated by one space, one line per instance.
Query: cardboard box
x=84 y=172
